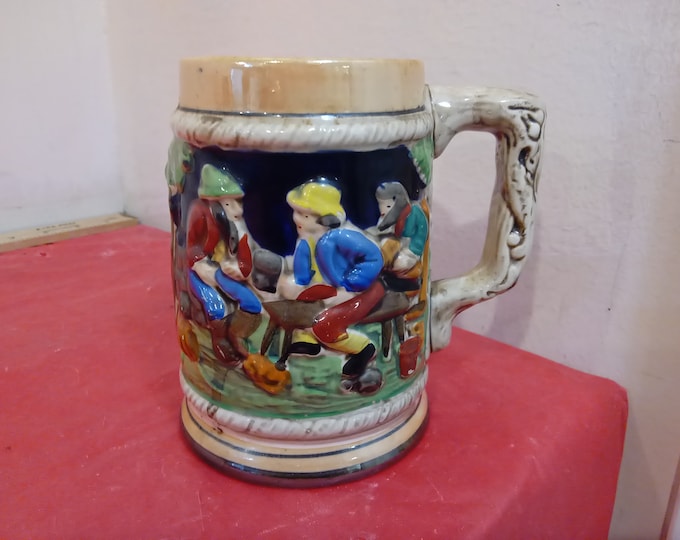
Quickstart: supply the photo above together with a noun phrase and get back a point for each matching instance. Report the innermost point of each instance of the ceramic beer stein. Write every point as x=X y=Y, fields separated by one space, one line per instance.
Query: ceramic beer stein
x=301 y=200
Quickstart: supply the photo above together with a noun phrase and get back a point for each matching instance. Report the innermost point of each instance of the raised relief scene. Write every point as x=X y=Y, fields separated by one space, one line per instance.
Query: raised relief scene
x=301 y=280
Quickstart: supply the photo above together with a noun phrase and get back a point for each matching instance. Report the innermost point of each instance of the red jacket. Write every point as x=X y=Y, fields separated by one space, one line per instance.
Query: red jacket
x=207 y=224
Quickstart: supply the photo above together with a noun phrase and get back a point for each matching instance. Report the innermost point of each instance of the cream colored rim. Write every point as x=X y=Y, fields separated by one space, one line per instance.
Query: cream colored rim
x=224 y=84
x=272 y=461
x=308 y=429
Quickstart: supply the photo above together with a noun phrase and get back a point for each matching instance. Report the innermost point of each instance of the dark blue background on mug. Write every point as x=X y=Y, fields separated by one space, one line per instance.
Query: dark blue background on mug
x=266 y=178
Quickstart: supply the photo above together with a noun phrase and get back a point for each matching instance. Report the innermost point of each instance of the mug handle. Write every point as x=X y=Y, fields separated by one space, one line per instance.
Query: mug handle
x=516 y=119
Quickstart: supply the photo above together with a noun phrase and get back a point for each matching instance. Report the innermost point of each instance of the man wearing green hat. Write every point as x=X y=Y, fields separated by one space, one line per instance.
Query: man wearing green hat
x=220 y=258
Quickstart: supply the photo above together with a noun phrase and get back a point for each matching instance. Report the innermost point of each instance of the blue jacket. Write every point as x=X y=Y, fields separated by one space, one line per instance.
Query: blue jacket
x=345 y=258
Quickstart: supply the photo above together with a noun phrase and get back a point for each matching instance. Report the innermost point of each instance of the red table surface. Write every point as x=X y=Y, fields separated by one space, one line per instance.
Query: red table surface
x=517 y=446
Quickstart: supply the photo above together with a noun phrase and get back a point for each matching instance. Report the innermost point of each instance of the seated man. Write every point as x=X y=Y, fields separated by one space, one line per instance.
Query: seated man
x=220 y=261
x=346 y=260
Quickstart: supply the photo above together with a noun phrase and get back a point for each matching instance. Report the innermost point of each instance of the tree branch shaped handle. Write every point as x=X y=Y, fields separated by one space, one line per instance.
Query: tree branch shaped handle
x=517 y=120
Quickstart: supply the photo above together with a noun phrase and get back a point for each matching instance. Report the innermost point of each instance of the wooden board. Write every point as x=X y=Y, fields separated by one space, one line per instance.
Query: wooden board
x=61 y=231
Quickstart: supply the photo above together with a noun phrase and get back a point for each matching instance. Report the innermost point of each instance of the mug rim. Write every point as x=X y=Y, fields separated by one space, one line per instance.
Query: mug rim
x=290 y=85
x=299 y=59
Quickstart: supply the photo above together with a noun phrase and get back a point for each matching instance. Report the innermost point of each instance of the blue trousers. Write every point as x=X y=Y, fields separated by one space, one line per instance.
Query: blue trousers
x=212 y=301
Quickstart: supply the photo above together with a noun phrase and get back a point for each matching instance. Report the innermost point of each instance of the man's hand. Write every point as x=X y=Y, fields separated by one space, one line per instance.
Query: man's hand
x=288 y=288
x=231 y=269
x=206 y=271
x=405 y=261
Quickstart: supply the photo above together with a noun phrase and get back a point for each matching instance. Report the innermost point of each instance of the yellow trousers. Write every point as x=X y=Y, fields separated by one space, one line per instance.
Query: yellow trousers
x=352 y=343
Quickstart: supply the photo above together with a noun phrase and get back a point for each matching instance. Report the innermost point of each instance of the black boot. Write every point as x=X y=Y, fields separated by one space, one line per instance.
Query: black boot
x=304 y=348
x=356 y=363
x=357 y=376
x=225 y=353
x=299 y=348
x=369 y=382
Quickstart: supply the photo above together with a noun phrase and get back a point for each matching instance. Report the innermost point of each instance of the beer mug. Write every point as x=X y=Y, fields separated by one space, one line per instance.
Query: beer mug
x=300 y=194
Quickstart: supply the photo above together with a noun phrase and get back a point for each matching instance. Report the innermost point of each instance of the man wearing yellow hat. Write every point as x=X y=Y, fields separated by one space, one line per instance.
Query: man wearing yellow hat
x=345 y=259
x=220 y=258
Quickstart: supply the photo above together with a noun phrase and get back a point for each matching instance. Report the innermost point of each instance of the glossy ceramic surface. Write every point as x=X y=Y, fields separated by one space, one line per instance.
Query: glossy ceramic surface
x=300 y=196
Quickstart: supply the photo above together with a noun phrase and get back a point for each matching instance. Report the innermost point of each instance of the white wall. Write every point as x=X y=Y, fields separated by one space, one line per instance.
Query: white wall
x=601 y=292
x=57 y=138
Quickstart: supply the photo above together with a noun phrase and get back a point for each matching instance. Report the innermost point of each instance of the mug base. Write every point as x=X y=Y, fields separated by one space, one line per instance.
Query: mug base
x=308 y=464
